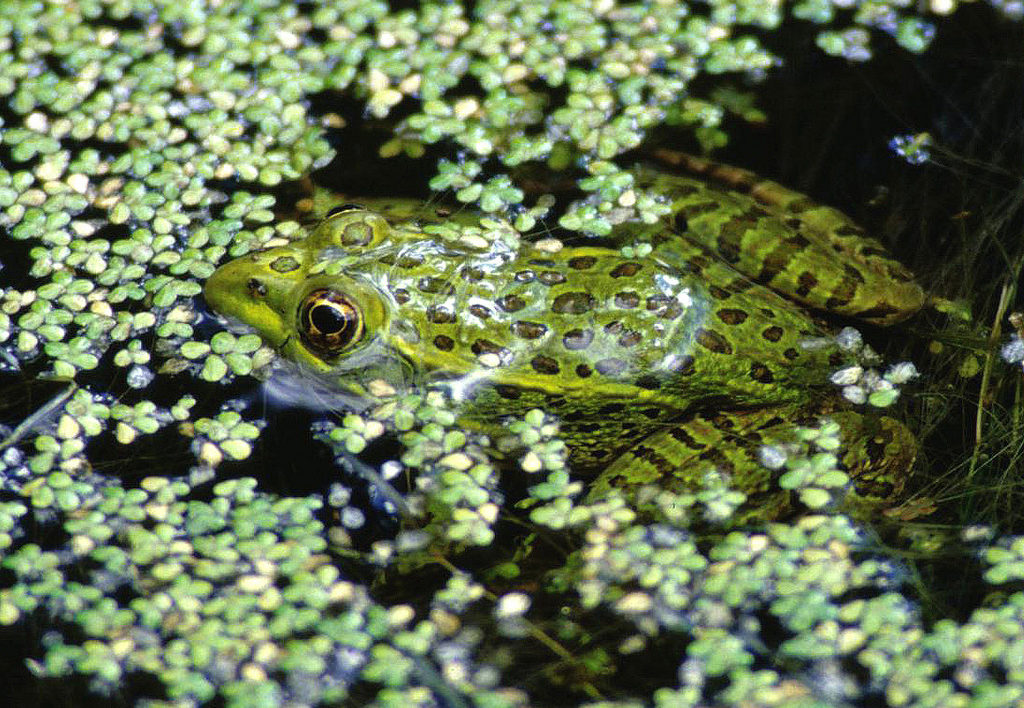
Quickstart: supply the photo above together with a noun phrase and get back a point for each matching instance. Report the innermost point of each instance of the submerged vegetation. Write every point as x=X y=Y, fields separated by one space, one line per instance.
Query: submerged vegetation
x=160 y=540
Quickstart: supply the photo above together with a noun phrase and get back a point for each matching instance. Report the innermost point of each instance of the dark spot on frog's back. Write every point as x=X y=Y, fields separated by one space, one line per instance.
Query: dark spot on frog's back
x=528 y=330
x=550 y=277
x=683 y=366
x=713 y=341
x=573 y=303
x=773 y=333
x=440 y=314
x=544 y=365
x=611 y=366
x=625 y=270
x=406 y=260
x=731 y=316
x=511 y=303
x=485 y=346
x=444 y=343
x=630 y=338
x=582 y=262
x=627 y=300
x=473 y=274
x=577 y=339
x=665 y=307
x=761 y=373
x=807 y=282
x=507 y=392
x=434 y=286
x=284 y=264
x=481 y=311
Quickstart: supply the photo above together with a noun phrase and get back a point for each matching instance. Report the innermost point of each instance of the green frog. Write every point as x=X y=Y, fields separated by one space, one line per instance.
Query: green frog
x=668 y=350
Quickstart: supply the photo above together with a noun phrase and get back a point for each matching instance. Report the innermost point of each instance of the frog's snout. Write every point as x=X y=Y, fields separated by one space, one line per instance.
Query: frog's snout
x=233 y=289
x=219 y=288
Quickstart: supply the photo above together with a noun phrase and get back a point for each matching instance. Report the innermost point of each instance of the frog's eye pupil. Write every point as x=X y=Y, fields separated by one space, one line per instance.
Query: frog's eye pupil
x=342 y=208
x=329 y=321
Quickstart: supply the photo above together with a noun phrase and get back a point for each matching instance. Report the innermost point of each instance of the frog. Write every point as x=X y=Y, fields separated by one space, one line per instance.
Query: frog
x=665 y=350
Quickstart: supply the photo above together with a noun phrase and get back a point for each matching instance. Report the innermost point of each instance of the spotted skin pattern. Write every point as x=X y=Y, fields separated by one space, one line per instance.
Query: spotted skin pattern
x=659 y=367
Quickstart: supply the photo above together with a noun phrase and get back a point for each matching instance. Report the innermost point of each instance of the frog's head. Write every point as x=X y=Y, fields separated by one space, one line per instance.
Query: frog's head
x=317 y=315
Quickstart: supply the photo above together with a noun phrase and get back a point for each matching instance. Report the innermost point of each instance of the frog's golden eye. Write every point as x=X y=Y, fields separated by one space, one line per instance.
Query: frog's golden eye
x=329 y=321
x=342 y=208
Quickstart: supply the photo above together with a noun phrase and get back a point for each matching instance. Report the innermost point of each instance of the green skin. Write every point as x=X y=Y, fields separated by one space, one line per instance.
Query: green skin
x=660 y=367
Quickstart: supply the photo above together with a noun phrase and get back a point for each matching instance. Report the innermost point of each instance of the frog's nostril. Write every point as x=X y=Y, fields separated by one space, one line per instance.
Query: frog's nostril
x=256 y=288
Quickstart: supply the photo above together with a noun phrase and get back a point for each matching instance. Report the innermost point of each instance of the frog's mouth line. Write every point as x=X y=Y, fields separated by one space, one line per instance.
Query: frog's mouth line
x=310 y=351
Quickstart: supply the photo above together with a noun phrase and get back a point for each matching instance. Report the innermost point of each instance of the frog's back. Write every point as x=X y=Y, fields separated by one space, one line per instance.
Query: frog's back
x=615 y=346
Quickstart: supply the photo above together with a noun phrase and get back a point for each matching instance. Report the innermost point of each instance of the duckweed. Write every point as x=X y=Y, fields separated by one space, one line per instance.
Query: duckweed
x=146 y=141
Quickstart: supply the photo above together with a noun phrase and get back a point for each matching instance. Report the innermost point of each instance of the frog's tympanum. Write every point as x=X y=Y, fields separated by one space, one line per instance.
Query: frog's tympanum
x=669 y=349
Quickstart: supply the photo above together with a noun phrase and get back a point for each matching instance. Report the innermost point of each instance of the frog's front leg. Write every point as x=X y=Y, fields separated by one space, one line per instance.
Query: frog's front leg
x=812 y=253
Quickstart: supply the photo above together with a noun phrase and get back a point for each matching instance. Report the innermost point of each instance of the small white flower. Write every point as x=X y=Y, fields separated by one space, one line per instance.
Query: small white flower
x=513 y=604
x=391 y=469
x=772 y=456
x=848 y=376
x=901 y=372
x=854 y=394
x=849 y=339
x=881 y=385
x=816 y=343
x=872 y=380
x=1013 y=351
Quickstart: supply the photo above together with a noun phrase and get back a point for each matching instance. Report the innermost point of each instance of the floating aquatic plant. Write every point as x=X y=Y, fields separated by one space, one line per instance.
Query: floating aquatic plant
x=142 y=142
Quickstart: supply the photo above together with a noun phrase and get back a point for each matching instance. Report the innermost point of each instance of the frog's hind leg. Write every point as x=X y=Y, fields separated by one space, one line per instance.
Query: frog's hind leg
x=876 y=452
x=781 y=238
x=681 y=458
